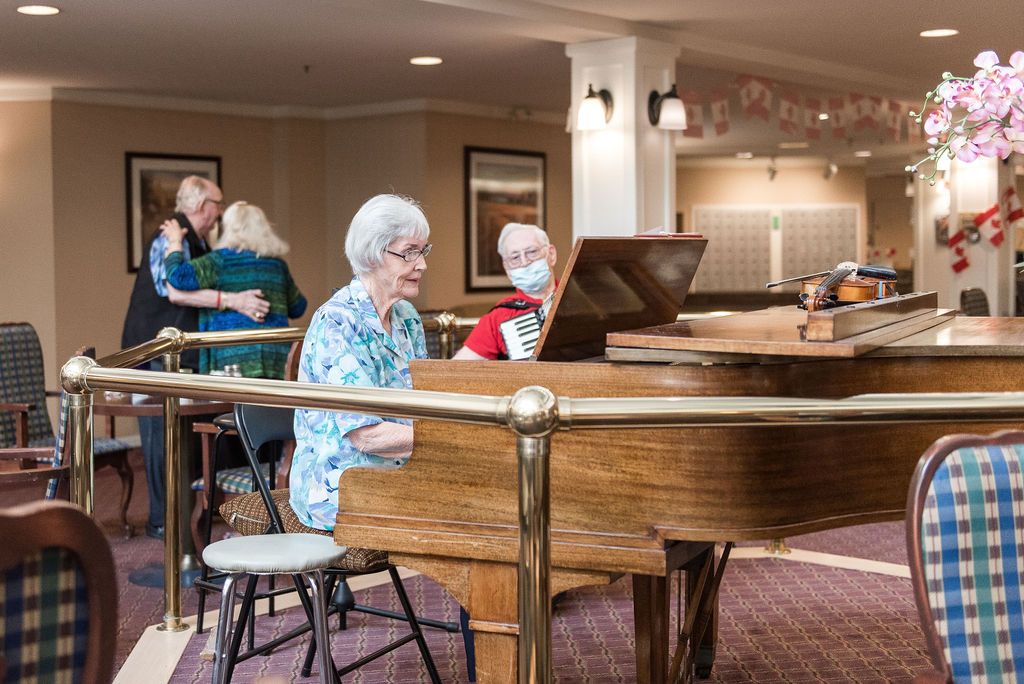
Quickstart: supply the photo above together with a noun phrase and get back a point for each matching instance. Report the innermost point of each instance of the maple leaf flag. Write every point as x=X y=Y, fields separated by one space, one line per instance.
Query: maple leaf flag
x=812 y=124
x=720 y=110
x=789 y=107
x=1009 y=204
x=989 y=224
x=894 y=121
x=693 y=103
x=838 y=114
x=958 y=250
x=755 y=96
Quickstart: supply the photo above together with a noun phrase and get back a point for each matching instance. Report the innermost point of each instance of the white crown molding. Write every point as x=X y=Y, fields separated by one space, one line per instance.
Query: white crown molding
x=26 y=94
x=443 y=107
x=113 y=99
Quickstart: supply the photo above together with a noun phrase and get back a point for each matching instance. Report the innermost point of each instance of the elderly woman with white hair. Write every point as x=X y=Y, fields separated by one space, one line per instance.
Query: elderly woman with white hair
x=365 y=336
x=248 y=255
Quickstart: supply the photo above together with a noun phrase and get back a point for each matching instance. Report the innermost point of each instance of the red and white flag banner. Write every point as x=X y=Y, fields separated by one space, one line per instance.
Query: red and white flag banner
x=989 y=224
x=838 y=115
x=789 y=110
x=958 y=249
x=1009 y=204
x=894 y=116
x=720 y=110
x=693 y=103
x=812 y=124
x=755 y=96
x=865 y=112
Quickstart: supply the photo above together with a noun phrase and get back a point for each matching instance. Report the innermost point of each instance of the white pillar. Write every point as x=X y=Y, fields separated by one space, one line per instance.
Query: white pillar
x=623 y=176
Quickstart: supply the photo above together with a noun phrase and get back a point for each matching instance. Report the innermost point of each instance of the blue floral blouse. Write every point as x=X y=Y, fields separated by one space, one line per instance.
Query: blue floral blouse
x=346 y=345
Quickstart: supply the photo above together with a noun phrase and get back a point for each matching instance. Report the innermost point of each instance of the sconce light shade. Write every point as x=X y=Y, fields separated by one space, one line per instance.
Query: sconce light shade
x=595 y=110
x=666 y=111
x=830 y=170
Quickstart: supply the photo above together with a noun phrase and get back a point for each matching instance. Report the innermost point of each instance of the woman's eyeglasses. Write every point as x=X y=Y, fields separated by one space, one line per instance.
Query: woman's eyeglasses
x=412 y=254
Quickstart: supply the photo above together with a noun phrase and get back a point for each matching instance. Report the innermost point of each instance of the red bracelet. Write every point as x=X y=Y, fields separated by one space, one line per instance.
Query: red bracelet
x=218 y=299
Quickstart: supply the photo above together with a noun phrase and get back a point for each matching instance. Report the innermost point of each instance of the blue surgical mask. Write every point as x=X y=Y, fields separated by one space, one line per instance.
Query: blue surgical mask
x=531 y=278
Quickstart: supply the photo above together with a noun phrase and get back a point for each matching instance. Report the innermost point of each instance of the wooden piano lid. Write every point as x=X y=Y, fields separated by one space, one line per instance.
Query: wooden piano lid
x=617 y=283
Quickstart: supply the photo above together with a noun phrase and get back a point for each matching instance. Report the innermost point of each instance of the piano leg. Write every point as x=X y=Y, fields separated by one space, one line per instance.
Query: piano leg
x=705 y=649
x=650 y=614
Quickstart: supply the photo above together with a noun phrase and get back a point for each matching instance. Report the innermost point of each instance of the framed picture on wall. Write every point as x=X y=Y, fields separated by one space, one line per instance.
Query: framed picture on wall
x=501 y=186
x=151 y=188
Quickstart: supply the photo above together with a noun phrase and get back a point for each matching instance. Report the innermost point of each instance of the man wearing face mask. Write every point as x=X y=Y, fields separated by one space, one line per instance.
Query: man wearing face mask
x=528 y=258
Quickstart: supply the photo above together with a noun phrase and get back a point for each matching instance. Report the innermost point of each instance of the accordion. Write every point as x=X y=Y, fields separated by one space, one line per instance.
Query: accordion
x=521 y=333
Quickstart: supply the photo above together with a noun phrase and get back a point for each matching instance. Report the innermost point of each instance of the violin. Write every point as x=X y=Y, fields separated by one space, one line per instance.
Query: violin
x=845 y=284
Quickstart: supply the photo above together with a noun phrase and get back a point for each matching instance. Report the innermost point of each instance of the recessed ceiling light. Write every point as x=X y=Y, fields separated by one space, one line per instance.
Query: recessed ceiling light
x=744 y=155
x=862 y=153
x=823 y=116
x=38 y=10
x=938 y=33
x=798 y=145
x=425 y=61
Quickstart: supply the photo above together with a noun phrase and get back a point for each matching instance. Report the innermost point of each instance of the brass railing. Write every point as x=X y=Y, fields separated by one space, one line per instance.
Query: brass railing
x=534 y=413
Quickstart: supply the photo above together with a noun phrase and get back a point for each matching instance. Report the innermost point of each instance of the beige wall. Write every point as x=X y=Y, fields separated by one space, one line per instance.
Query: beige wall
x=28 y=288
x=63 y=217
x=889 y=219
x=421 y=155
x=792 y=185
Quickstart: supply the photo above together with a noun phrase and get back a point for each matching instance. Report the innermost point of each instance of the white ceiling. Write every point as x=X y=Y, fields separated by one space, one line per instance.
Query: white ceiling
x=500 y=53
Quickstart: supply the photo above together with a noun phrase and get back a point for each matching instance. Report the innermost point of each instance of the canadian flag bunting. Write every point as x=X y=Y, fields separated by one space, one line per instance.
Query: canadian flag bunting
x=789 y=106
x=838 y=115
x=989 y=224
x=894 y=121
x=1009 y=204
x=720 y=110
x=866 y=111
x=755 y=96
x=693 y=103
x=812 y=124
x=958 y=250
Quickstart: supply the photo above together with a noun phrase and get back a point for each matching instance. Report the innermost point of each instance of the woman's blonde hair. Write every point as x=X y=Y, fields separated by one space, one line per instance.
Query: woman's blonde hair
x=245 y=226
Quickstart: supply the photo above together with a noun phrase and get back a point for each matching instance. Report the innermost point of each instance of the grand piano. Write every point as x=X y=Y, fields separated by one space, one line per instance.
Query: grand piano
x=647 y=501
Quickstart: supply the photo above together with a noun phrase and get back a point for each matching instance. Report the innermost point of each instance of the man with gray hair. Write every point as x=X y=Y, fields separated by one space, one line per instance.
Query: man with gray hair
x=154 y=305
x=528 y=258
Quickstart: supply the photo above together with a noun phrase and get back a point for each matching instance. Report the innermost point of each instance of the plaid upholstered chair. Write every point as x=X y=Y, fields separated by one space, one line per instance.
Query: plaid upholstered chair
x=965 y=545
x=25 y=419
x=58 y=607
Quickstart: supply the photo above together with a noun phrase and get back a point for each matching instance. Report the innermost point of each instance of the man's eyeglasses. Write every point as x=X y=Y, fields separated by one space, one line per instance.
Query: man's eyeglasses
x=412 y=254
x=220 y=203
x=527 y=256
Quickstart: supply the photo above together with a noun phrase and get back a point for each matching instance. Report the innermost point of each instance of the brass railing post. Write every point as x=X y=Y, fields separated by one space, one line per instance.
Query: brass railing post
x=172 y=495
x=446 y=334
x=533 y=414
x=78 y=438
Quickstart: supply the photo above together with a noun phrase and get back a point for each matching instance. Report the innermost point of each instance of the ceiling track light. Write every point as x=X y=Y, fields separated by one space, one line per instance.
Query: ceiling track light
x=666 y=111
x=595 y=110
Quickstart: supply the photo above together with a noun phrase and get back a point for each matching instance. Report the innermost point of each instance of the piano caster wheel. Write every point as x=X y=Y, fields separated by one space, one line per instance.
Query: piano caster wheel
x=702 y=665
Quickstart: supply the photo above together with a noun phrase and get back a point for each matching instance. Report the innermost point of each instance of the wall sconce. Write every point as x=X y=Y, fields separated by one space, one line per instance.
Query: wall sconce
x=595 y=110
x=830 y=170
x=666 y=111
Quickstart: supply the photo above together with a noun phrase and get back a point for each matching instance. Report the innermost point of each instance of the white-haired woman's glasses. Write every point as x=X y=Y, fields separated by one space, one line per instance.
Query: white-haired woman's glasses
x=412 y=254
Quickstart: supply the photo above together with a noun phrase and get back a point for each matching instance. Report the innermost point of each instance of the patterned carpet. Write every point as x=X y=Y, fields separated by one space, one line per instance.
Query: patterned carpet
x=780 y=620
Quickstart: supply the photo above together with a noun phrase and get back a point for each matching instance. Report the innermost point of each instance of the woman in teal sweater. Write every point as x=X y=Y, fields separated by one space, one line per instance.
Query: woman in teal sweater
x=247 y=256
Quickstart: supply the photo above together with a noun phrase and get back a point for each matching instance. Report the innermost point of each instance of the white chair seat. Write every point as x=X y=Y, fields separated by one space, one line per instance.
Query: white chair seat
x=271 y=554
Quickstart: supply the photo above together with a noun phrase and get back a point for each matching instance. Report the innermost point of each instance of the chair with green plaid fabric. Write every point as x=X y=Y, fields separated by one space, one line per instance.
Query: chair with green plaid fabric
x=25 y=420
x=965 y=545
x=58 y=607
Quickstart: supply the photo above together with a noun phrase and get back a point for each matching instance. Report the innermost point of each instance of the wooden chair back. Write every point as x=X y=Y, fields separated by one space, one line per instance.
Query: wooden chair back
x=58 y=605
